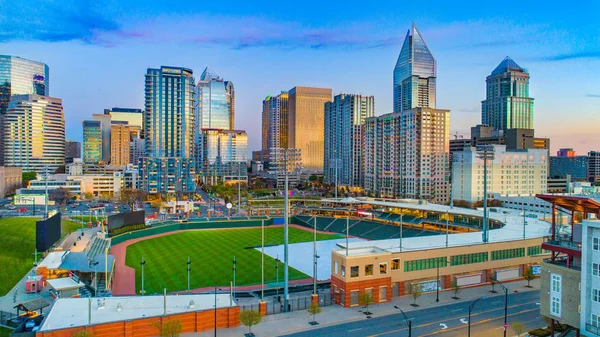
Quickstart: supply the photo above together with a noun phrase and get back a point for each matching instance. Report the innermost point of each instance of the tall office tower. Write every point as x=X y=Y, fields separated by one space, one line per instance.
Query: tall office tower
x=19 y=76
x=72 y=150
x=169 y=129
x=106 y=127
x=34 y=127
x=344 y=126
x=137 y=147
x=92 y=142
x=119 y=144
x=133 y=117
x=507 y=104
x=406 y=154
x=306 y=113
x=414 y=74
x=225 y=155
x=274 y=123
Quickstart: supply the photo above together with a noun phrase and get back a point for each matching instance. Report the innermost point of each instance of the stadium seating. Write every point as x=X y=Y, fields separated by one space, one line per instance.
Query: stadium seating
x=98 y=246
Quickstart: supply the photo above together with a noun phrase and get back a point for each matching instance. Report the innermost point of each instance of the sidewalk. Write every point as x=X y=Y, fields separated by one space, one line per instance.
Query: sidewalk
x=292 y=322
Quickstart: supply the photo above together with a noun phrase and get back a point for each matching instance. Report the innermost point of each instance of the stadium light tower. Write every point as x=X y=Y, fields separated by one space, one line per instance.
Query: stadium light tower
x=485 y=152
x=286 y=161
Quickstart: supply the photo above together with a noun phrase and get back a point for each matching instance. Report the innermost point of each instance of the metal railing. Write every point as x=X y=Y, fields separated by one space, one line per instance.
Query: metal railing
x=564 y=243
x=295 y=304
x=562 y=262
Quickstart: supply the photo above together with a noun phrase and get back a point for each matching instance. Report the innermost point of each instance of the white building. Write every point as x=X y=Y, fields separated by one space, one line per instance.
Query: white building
x=510 y=173
x=590 y=278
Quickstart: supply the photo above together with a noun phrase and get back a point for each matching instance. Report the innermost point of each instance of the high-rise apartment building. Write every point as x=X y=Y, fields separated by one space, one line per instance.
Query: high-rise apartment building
x=507 y=104
x=92 y=142
x=137 y=148
x=406 y=154
x=72 y=150
x=106 y=127
x=274 y=123
x=306 y=114
x=119 y=144
x=414 y=74
x=19 y=76
x=133 y=117
x=169 y=129
x=225 y=155
x=34 y=129
x=344 y=127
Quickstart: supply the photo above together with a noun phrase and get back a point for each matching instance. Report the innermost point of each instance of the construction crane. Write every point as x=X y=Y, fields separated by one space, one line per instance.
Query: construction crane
x=457 y=135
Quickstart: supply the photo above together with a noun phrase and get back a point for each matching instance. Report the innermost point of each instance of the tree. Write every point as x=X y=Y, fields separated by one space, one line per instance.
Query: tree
x=528 y=275
x=158 y=204
x=455 y=287
x=518 y=328
x=88 y=195
x=168 y=328
x=416 y=290
x=313 y=178
x=314 y=309
x=131 y=196
x=366 y=299
x=83 y=333
x=27 y=177
x=250 y=318
x=61 y=195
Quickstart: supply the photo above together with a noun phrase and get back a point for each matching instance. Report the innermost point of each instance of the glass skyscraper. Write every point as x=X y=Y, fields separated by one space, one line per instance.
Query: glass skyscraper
x=169 y=129
x=414 y=74
x=92 y=141
x=215 y=102
x=34 y=129
x=507 y=104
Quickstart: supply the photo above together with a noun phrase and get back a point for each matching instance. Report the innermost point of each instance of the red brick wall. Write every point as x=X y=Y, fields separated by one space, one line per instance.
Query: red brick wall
x=361 y=286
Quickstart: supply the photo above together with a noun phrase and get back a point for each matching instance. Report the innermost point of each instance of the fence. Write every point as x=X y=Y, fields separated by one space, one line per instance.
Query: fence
x=6 y=317
x=275 y=306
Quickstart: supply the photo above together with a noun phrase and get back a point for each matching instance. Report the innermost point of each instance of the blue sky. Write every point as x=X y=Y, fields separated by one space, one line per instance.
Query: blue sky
x=98 y=52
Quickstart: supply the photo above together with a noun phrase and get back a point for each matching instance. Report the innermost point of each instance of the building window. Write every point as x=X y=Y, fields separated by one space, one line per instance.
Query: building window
x=424 y=264
x=596 y=269
x=508 y=254
x=383 y=268
x=382 y=294
x=595 y=295
x=395 y=264
x=369 y=270
x=336 y=267
x=596 y=243
x=555 y=294
x=458 y=260
x=343 y=271
x=555 y=306
x=595 y=321
x=354 y=271
x=534 y=250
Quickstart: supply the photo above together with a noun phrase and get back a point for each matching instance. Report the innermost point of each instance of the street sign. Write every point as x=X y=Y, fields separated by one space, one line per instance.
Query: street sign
x=229 y=205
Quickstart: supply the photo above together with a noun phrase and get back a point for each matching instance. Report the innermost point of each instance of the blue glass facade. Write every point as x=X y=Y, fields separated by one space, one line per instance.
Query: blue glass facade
x=576 y=166
x=92 y=142
x=414 y=74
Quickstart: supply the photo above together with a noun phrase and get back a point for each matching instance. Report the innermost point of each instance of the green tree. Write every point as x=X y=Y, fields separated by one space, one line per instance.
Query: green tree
x=313 y=178
x=250 y=318
x=416 y=290
x=529 y=276
x=168 y=328
x=314 y=309
x=518 y=328
x=61 y=195
x=27 y=177
x=366 y=299
x=88 y=195
x=131 y=196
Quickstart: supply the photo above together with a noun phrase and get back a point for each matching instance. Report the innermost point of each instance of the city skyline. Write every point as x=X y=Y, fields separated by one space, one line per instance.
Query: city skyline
x=467 y=45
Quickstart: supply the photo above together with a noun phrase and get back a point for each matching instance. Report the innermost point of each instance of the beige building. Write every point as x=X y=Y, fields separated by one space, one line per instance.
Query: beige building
x=306 y=126
x=11 y=178
x=119 y=144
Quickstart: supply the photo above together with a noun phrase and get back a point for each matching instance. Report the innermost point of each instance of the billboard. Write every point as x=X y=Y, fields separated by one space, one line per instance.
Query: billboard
x=125 y=222
x=47 y=232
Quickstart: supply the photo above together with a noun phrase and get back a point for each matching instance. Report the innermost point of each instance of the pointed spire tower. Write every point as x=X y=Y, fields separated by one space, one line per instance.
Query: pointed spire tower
x=414 y=74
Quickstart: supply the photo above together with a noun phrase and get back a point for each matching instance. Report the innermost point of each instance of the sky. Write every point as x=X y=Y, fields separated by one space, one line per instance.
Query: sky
x=98 y=52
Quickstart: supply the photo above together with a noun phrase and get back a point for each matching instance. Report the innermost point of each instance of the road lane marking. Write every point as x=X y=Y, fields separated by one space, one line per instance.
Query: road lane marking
x=482 y=321
x=497 y=302
x=443 y=326
x=464 y=321
x=354 y=330
x=456 y=310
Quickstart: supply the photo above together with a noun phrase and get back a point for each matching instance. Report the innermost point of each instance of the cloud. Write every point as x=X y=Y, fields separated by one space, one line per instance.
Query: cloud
x=592 y=95
x=589 y=55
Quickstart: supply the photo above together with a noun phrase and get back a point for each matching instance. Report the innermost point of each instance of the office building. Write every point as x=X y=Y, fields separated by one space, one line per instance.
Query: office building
x=92 y=142
x=11 y=178
x=72 y=151
x=593 y=174
x=133 y=117
x=507 y=104
x=406 y=155
x=34 y=129
x=105 y=127
x=306 y=116
x=19 y=76
x=511 y=172
x=225 y=155
x=274 y=124
x=169 y=131
x=137 y=148
x=414 y=74
x=567 y=162
x=344 y=127
x=119 y=144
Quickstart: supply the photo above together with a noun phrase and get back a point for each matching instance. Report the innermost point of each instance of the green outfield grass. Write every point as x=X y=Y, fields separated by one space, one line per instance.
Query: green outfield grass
x=4 y=332
x=212 y=253
x=17 y=247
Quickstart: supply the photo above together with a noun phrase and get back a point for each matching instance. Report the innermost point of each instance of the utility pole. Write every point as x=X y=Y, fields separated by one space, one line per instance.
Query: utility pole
x=315 y=255
x=142 y=264
x=189 y=269
x=401 y=224
x=234 y=267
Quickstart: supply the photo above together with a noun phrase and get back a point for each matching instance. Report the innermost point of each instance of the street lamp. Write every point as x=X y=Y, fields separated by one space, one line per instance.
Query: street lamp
x=447 y=220
x=189 y=269
x=408 y=322
x=277 y=277
x=471 y=309
x=485 y=152
x=437 y=288
x=234 y=268
x=505 y=302
x=216 y=311
x=142 y=264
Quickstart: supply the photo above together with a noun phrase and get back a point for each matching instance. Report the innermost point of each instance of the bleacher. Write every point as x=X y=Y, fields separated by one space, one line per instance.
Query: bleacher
x=98 y=246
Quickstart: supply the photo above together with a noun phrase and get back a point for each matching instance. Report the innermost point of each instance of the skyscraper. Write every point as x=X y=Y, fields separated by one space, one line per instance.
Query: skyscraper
x=275 y=123
x=344 y=127
x=306 y=124
x=169 y=130
x=106 y=128
x=225 y=155
x=34 y=127
x=72 y=150
x=414 y=74
x=92 y=142
x=119 y=144
x=507 y=104
x=133 y=117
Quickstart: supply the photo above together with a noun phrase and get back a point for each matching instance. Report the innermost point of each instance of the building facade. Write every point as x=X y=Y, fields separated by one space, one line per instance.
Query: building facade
x=590 y=278
x=275 y=123
x=225 y=155
x=593 y=174
x=515 y=172
x=34 y=129
x=406 y=155
x=306 y=124
x=92 y=142
x=414 y=74
x=119 y=144
x=567 y=162
x=133 y=117
x=11 y=178
x=137 y=148
x=72 y=150
x=344 y=127
x=106 y=128
x=169 y=129
x=507 y=104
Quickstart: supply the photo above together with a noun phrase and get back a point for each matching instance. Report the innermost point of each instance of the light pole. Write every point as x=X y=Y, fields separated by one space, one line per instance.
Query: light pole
x=471 y=309
x=447 y=220
x=485 y=152
x=215 y=311
x=46 y=192
x=142 y=264
x=262 y=262
x=401 y=225
x=239 y=188
x=277 y=277
x=189 y=269
x=408 y=322
x=505 y=302
x=234 y=268
x=315 y=255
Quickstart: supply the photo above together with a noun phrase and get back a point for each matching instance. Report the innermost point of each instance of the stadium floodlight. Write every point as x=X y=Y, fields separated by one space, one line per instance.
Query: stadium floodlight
x=485 y=152
x=142 y=264
x=285 y=161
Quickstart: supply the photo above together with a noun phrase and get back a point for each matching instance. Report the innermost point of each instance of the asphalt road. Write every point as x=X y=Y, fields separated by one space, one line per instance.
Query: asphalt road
x=487 y=320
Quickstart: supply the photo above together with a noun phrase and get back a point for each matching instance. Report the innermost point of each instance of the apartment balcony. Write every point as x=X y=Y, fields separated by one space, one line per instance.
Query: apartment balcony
x=564 y=246
x=564 y=263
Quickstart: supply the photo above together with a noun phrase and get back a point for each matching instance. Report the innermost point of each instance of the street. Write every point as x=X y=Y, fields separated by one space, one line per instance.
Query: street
x=487 y=319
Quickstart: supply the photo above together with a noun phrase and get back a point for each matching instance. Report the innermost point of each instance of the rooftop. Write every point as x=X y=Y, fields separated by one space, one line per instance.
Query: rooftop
x=64 y=283
x=507 y=65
